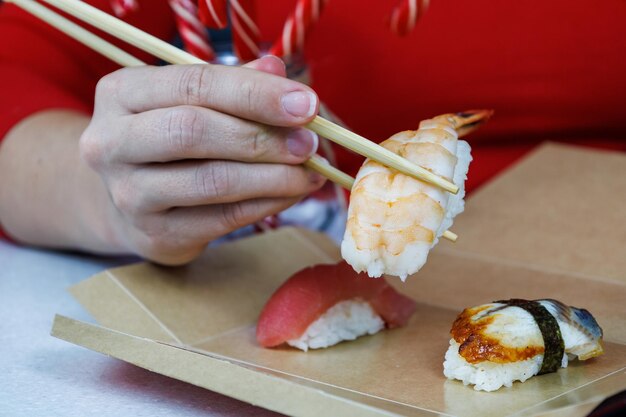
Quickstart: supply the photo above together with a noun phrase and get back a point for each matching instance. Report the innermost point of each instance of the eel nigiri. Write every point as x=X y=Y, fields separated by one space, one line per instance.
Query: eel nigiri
x=495 y=344
x=325 y=304
x=394 y=220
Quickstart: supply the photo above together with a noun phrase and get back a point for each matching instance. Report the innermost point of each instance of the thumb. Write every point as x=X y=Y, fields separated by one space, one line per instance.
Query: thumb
x=270 y=64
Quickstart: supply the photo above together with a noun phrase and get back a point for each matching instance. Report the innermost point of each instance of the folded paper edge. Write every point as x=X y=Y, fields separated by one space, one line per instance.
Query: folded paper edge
x=119 y=304
x=586 y=398
x=241 y=381
x=114 y=309
x=226 y=377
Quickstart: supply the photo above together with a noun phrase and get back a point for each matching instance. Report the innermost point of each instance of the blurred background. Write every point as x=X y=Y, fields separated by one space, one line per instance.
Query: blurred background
x=552 y=70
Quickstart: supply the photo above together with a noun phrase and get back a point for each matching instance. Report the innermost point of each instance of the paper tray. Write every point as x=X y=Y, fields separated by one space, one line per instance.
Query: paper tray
x=293 y=395
x=196 y=323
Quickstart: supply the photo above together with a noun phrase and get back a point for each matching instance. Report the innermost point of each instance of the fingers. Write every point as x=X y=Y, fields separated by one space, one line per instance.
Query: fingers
x=189 y=132
x=159 y=187
x=270 y=64
x=198 y=222
x=238 y=91
x=180 y=235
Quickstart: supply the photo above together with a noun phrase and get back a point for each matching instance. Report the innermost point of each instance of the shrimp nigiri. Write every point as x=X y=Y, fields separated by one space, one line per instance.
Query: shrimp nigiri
x=393 y=219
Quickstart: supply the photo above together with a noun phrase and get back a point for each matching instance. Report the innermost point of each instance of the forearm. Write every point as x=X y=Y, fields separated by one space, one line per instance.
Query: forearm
x=48 y=195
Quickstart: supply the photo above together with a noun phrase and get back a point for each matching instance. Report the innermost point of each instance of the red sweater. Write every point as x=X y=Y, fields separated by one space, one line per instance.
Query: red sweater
x=552 y=70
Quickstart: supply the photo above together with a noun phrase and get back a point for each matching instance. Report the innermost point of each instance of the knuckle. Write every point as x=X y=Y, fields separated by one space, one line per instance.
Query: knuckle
x=99 y=141
x=154 y=229
x=155 y=238
x=96 y=147
x=122 y=201
x=156 y=247
x=288 y=177
x=109 y=85
x=184 y=130
x=92 y=149
x=124 y=197
x=106 y=85
x=257 y=143
x=156 y=241
x=215 y=180
x=294 y=181
x=159 y=245
x=250 y=92
x=141 y=201
x=195 y=83
x=235 y=216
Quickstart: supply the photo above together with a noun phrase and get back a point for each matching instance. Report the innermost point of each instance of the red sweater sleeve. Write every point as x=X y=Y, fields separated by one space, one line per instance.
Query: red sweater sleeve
x=41 y=68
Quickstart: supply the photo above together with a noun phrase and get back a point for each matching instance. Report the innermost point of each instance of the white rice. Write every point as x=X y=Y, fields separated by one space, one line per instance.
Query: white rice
x=456 y=203
x=346 y=320
x=489 y=376
x=379 y=262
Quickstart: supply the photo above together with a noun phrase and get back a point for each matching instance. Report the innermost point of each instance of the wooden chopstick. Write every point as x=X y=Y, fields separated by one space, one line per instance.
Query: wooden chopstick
x=122 y=58
x=79 y=33
x=321 y=165
x=174 y=55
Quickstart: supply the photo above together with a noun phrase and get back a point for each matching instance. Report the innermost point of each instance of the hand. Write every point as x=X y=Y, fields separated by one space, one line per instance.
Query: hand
x=190 y=153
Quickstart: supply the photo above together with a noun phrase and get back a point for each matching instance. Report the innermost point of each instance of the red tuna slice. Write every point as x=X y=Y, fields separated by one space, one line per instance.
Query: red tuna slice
x=309 y=293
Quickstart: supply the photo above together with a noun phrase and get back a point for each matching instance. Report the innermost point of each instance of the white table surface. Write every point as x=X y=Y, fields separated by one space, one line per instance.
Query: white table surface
x=43 y=376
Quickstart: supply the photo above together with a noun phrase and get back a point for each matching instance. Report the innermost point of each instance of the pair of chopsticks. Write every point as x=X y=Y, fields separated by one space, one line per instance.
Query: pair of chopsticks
x=174 y=55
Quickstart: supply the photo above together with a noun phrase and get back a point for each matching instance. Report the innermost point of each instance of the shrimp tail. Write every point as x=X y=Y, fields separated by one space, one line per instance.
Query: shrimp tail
x=470 y=120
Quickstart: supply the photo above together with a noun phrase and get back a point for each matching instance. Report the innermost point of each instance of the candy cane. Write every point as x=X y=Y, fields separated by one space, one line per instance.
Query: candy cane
x=246 y=33
x=213 y=13
x=405 y=15
x=192 y=32
x=122 y=7
x=296 y=27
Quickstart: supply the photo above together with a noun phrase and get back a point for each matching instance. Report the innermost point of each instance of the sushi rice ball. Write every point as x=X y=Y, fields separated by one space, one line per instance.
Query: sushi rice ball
x=323 y=305
x=494 y=345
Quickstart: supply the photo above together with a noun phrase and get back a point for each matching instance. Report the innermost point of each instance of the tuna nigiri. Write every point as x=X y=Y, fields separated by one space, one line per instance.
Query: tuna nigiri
x=325 y=304
x=495 y=344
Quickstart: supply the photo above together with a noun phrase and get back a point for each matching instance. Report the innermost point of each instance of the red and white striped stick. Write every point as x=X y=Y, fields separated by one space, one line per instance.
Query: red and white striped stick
x=213 y=13
x=192 y=32
x=246 y=33
x=122 y=7
x=405 y=15
x=298 y=24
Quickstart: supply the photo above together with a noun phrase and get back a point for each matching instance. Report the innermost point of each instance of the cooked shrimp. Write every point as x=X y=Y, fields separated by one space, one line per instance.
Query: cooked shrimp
x=393 y=219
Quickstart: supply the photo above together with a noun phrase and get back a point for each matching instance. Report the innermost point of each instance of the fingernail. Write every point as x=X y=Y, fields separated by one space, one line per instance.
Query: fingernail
x=302 y=142
x=274 y=58
x=299 y=103
x=266 y=63
x=316 y=177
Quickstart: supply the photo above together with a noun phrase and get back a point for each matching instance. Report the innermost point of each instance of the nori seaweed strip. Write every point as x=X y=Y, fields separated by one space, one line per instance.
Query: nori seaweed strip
x=552 y=338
